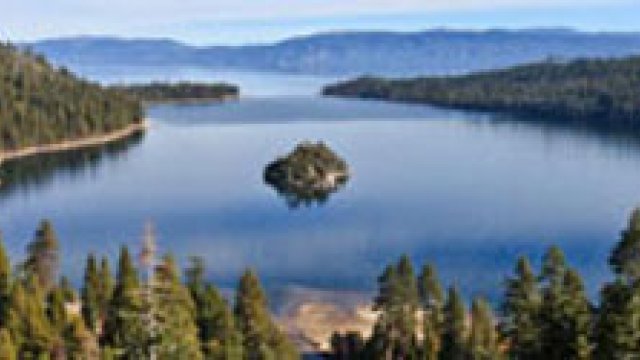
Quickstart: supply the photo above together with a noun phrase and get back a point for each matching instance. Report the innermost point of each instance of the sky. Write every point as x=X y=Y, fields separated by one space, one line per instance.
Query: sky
x=206 y=22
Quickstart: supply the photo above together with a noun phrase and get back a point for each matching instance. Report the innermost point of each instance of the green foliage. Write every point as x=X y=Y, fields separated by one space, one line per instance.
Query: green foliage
x=483 y=337
x=217 y=329
x=455 y=330
x=604 y=92
x=521 y=307
x=42 y=256
x=177 y=334
x=310 y=173
x=432 y=300
x=180 y=91
x=618 y=320
x=42 y=105
x=124 y=329
x=5 y=281
x=625 y=257
x=8 y=349
x=398 y=303
x=262 y=338
x=90 y=294
x=565 y=311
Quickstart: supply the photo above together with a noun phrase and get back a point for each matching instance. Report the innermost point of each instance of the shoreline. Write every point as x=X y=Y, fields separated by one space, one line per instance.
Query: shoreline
x=68 y=145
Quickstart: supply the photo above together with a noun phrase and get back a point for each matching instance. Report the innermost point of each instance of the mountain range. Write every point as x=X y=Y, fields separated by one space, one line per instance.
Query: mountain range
x=433 y=52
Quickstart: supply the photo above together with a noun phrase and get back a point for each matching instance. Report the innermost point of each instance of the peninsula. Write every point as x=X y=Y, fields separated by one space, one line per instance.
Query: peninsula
x=181 y=91
x=595 y=92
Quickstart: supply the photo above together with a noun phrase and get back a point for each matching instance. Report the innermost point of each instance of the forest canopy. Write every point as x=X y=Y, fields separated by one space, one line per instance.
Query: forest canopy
x=604 y=92
x=40 y=104
x=159 y=91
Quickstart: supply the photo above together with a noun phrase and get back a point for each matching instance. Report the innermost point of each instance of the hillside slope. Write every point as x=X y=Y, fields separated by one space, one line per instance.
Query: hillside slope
x=595 y=91
x=41 y=105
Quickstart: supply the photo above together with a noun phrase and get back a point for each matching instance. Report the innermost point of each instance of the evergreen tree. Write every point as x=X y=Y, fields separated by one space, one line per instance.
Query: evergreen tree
x=80 y=344
x=625 y=257
x=618 y=321
x=262 y=338
x=177 y=331
x=56 y=310
x=398 y=302
x=42 y=256
x=483 y=337
x=27 y=320
x=565 y=312
x=521 y=309
x=217 y=329
x=90 y=294
x=106 y=288
x=454 y=332
x=5 y=281
x=8 y=349
x=125 y=332
x=432 y=300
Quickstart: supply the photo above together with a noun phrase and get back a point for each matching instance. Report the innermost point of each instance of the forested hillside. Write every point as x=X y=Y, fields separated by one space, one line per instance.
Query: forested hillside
x=42 y=105
x=181 y=91
x=604 y=92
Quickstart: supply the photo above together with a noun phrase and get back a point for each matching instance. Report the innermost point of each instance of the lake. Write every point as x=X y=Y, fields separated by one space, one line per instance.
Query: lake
x=466 y=191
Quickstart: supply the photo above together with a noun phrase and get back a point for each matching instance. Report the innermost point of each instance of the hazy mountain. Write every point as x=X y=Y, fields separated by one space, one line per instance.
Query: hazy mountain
x=383 y=53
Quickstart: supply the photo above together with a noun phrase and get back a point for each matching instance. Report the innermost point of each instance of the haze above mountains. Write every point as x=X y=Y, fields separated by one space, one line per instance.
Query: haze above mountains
x=433 y=52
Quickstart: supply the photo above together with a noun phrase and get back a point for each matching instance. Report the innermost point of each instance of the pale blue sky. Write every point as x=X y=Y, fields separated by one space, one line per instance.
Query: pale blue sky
x=250 y=21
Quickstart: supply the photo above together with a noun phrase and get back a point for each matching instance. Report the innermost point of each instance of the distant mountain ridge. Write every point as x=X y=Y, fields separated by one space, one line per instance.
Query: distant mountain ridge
x=433 y=52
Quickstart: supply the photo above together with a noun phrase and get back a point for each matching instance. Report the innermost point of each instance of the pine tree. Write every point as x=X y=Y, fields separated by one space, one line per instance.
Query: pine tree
x=618 y=320
x=398 y=302
x=56 y=310
x=483 y=337
x=177 y=331
x=80 y=343
x=5 y=281
x=125 y=332
x=217 y=329
x=42 y=256
x=8 y=350
x=90 y=294
x=106 y=288
x=625 y=257
x=565 y=312
x=521 y=309
x=617 y=329
x=432 y=300
x=454 y=332
x=262 y=339
x=27 y=320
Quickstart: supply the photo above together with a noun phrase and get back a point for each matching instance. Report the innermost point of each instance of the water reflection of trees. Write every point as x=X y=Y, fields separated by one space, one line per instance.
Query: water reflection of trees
x=296 y=197
x=37 y=171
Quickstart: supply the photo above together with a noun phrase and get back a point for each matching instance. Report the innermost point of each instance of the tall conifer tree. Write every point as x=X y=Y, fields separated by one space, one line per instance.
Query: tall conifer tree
x=521 y=307
x=455 y=330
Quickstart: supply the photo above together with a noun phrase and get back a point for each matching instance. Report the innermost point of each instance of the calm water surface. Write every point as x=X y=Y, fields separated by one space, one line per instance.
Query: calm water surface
x=468 y=192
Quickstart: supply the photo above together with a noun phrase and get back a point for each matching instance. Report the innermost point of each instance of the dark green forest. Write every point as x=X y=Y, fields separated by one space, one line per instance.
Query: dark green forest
x=181 y=91
x=40 y=104
x=604 y=92
x=544 y=314
x=147 y=309
x=150 y=308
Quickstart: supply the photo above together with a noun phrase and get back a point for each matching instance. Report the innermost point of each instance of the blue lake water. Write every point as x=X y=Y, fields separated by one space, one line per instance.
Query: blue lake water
x=468 y=192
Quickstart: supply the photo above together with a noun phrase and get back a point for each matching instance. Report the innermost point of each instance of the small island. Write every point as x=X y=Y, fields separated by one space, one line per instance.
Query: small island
x=181 y=91
x=310 y=173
